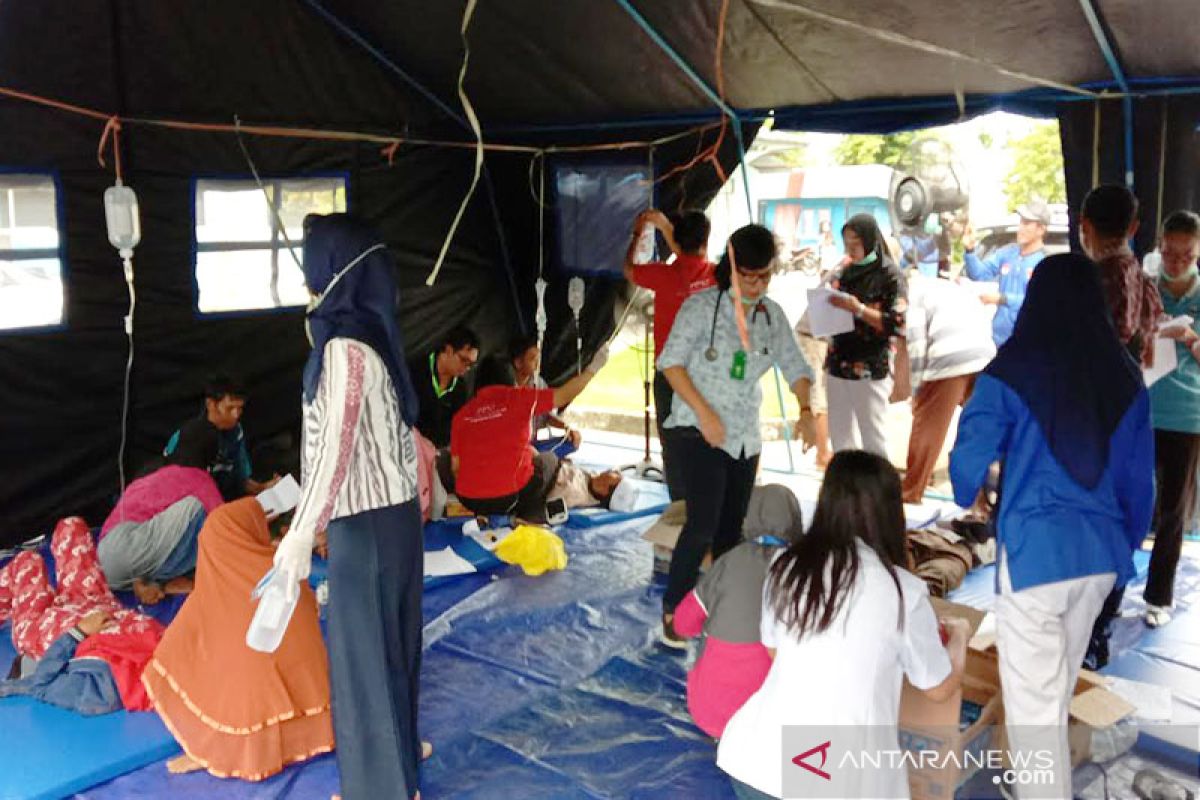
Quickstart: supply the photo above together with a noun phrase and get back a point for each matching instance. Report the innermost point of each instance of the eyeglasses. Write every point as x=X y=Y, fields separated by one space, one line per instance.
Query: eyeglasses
x=1183 y=258
x=466 y=361
x=762 y=277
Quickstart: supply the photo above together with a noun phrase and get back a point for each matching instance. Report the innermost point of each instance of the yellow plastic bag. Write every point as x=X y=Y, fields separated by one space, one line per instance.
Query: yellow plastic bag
x=535 y=549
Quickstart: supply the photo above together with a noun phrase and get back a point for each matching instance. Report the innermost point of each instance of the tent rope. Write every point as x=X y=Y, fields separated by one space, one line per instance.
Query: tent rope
x=474 y=120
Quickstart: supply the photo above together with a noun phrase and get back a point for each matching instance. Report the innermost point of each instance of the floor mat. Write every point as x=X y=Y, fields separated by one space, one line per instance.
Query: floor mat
x=553 y=687
x=60 y=752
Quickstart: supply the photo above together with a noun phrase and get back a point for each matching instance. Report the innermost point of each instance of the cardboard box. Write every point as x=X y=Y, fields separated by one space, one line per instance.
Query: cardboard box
x=929 y=726
x=923 y=723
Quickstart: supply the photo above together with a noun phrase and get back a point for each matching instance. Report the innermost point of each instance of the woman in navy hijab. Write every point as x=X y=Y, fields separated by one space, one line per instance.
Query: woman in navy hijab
x=360 y=485
x=1063 y=408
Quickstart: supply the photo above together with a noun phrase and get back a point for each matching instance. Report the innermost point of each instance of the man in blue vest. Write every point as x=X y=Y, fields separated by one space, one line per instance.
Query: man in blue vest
x=1012 y=266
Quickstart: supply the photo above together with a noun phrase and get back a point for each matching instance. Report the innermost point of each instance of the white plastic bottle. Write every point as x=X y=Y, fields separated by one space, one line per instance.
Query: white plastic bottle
x=277 y=598
x=644 y=253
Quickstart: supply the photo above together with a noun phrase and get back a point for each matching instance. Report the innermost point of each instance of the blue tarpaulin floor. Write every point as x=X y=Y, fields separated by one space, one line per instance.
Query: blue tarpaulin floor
x=555 y=686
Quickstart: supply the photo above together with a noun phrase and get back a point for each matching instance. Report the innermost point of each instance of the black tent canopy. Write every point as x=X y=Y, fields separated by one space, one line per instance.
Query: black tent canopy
x=540 y=75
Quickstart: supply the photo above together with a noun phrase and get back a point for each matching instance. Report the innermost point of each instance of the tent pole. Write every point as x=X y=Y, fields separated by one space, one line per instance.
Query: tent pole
x=1104 y=42
x=336 y=22
x=679 y=60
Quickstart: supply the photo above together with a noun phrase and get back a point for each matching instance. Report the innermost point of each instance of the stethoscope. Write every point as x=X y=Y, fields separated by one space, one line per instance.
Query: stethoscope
x=710 y=354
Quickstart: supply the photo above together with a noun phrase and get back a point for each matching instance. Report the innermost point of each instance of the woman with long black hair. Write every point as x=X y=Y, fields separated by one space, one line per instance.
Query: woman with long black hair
x=845 y=624
x=859 y=362
x=360 y=483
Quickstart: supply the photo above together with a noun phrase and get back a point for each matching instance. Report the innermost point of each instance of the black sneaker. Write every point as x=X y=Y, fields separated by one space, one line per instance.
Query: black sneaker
x=669 y=637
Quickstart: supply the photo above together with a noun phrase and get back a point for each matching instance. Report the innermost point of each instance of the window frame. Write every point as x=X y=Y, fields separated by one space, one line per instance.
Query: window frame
x=60 y=252
x=235 y=247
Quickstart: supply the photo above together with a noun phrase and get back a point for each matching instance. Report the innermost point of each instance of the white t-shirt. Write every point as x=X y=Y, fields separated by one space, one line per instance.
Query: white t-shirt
x=849 y=675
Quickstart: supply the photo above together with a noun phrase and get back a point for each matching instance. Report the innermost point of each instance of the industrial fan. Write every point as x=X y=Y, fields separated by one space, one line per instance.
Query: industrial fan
x=929 y=195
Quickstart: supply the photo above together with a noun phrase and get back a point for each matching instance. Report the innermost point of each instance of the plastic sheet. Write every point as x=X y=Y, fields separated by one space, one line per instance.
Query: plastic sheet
x=555 y=687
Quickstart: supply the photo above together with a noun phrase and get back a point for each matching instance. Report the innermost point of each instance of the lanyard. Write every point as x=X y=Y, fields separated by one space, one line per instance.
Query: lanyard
x=433 y=376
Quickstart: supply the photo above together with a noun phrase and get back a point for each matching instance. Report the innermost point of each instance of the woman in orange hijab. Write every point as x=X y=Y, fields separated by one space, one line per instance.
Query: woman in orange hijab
x=235 y=711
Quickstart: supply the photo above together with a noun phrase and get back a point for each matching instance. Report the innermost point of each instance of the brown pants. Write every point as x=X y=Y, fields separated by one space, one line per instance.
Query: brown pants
x=933 y=408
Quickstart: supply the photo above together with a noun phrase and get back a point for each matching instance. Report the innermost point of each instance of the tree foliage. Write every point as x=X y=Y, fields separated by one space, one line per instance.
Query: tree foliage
x=873 y=148
x=1037 y=167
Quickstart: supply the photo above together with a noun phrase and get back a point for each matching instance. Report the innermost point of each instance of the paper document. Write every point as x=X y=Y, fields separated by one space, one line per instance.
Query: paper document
x=1153 y=702
x=1165 y=361
x=824 y=318
x=280 y=498
x=440 y=563
x=490 y=538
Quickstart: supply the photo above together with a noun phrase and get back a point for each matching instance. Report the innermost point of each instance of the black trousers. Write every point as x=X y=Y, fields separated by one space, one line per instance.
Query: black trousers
x=1176 y=459
x=530 y=503
x=376 y=574
x=717 y=487
x=673 y=471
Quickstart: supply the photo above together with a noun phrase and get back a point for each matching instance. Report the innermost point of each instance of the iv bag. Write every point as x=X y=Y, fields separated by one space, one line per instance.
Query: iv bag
x=121 y=214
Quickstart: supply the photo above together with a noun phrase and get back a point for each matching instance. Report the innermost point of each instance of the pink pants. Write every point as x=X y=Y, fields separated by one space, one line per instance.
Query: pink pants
x=39 y=614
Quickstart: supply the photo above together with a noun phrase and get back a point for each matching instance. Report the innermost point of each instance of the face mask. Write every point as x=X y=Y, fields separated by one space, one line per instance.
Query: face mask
x=871 y=258
x=1186 y=277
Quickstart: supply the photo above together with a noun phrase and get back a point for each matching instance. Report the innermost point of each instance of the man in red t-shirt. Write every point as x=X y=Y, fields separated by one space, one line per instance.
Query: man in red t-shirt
x=495 y=469
x=672 y=283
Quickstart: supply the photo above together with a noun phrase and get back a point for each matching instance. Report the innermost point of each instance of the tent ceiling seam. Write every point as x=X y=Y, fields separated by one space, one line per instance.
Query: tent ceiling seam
x=917 y=44
x=766 y=26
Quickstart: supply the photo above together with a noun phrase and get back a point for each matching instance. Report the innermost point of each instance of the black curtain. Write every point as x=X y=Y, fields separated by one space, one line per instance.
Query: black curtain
x=1166 y=156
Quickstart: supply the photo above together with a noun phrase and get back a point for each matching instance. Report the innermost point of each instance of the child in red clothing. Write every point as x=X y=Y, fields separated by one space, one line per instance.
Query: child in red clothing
x=725 y=607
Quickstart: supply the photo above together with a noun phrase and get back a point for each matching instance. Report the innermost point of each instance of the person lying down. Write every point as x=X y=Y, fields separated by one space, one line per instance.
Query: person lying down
x=79 y=649
x=575 y=486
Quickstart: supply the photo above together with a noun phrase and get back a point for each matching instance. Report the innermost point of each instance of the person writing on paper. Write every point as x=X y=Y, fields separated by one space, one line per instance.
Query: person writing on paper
x=672 y=284
x=844 y=625
x=224 y=404
x=873 y=289
x=1011 y=266
x=359 y=481
x=1063 y=408
x=262 y=711
x=1175 y=410
x=723 y=341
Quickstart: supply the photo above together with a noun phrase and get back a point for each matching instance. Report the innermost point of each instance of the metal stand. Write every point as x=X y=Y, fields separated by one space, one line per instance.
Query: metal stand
x=647 y=468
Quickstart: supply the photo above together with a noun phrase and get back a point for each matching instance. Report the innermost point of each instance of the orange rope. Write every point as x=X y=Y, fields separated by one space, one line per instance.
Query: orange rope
x=710 y=154
x=113 y=128
x=45 y=101
x=391 y=143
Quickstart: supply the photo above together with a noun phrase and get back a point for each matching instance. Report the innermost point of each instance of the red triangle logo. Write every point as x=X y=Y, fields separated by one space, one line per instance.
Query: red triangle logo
x=800 y=761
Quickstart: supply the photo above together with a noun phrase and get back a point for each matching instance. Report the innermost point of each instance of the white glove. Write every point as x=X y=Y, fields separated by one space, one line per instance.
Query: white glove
x=293 y=557
x=599 y=359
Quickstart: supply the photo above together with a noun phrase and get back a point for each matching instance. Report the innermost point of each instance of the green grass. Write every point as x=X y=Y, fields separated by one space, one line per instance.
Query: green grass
x=618 y=388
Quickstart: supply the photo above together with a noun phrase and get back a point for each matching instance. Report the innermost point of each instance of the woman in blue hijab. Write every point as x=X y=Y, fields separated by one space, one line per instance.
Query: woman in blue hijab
x=360 y=485
x=1063 y=408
